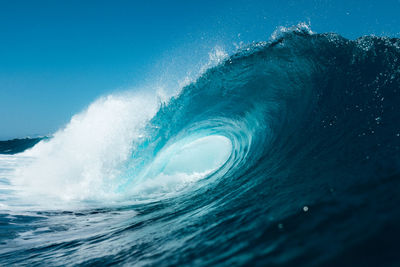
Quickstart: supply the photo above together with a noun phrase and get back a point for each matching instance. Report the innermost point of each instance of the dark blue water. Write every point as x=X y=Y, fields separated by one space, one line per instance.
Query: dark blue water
x=305 y=138
x=17 y=145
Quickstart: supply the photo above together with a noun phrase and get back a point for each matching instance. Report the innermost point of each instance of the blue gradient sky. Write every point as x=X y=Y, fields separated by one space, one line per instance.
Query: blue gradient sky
x=56 y=57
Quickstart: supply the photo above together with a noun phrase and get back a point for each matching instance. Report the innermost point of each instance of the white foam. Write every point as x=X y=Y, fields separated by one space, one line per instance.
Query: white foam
x=86 y=159
x=300 y=27
x=83 y=160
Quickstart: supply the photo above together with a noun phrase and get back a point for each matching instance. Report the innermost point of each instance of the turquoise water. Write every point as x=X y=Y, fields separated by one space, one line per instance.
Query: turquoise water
x=285 y=153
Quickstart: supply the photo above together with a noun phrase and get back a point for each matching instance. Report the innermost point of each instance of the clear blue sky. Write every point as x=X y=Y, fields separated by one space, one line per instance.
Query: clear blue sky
x=56 y=57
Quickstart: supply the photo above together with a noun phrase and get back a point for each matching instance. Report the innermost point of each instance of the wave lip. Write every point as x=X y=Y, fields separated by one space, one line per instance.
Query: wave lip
x=281 y=144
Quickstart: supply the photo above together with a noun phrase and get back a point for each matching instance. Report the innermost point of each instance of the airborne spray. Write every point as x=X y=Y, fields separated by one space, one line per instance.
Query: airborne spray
x=285 y=153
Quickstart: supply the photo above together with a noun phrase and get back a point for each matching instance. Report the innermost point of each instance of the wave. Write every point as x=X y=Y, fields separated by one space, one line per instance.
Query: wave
x=284 y=153
x=18 y=145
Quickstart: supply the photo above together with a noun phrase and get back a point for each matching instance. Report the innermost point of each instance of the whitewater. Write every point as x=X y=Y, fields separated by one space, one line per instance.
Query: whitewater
x=284 y=153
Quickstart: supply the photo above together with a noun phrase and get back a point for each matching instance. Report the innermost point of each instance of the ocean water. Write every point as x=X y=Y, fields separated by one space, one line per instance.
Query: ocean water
x=286 y=153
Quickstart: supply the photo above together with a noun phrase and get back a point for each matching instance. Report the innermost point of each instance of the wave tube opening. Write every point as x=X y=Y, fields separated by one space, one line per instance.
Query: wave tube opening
x=184 y=162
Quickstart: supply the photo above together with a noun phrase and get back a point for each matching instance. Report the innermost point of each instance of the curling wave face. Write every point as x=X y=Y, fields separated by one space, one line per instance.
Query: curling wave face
x=285 y=153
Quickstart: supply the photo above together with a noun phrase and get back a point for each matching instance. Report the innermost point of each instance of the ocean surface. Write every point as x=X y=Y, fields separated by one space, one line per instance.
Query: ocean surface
x=286 y=153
